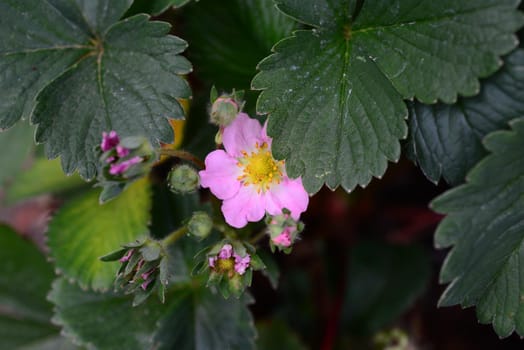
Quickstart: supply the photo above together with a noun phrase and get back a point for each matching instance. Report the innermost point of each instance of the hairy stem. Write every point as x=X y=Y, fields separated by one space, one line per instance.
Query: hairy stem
x=183 y=155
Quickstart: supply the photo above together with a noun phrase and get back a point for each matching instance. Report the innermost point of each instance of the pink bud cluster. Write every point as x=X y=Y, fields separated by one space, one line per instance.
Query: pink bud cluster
x=241 y=263
x=110 y=142
x=146 y=275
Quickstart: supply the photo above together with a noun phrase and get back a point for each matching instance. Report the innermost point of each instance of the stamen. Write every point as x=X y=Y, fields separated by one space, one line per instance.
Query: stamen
x=259 y=168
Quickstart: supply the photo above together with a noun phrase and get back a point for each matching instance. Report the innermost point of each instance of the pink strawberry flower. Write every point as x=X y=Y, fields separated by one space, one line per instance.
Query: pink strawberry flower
x=227 y=261
x=248 y=179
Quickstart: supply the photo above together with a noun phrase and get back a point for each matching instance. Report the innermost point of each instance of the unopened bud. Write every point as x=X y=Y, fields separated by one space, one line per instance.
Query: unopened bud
x=183 y=179
x=283 y=231
x=142 y=265
x=224 y=111
x=200 y=225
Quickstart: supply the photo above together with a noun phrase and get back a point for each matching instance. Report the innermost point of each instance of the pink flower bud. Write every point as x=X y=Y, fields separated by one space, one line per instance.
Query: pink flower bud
x=127 y=256
x=109 y=140
x=283 y=239
x=120 y=168
x=122 y=151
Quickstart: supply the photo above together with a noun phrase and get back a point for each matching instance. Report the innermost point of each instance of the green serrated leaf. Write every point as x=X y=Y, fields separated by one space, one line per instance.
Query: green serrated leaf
x=485 y=226
x=383 y=282
x=103 y=321
x=43 y=176
x=446 y=140
x=216 y=323
x=243 y=33
x=334 y=93
x=56 y=342
x=83 y=231
x=25 y=278
x=76 y=72
x=193 y=318
x=155 y=7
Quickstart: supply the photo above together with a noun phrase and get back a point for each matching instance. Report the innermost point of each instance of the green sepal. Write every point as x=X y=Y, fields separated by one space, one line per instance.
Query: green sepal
x=256 y=263
x=132 y=263
x=151 y=251
x=113 y=256
x=271 y=271
x=142 y=295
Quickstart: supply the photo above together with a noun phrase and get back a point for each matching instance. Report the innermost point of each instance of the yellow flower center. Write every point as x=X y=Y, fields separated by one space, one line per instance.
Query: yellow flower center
x=259 y=168
x=225 y=265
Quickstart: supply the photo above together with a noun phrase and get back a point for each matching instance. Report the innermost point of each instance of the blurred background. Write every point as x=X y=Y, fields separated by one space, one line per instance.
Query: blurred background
x=364 y=274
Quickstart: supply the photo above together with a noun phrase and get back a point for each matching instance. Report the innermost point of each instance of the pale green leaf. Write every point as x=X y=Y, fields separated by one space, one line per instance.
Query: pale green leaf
x=43 y=176
x=334 y=93
x=485 y=228
x=83 y=230
x=446 y=140
x=76 y=71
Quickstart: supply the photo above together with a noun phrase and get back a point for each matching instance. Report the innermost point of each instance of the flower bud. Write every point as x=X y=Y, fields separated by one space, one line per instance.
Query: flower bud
x=121 y=162
x=200 y=225
x=142 y=266
x=230 y=266
x=224 y=110
x=283 y=231
x=183 y=179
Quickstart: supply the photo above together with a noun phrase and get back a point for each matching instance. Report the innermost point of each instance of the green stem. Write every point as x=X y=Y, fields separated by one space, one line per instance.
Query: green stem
x=183 y=155
x=174 y=236
x=258 y=237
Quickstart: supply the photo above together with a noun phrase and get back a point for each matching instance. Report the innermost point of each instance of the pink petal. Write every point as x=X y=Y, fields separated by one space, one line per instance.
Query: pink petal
x=226 y=252
x=220 y=175
x=109 y=140
x=120 y=168
x=283 y=239
x=241 y=135
x=246 y=205
x=289 y=194
x=242 y=263
x=122 y=151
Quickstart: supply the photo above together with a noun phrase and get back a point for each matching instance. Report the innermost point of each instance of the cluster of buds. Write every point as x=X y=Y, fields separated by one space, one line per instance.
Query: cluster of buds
x=121 y=161
x=143 y=269
x=230 y=266
x=283 y=231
